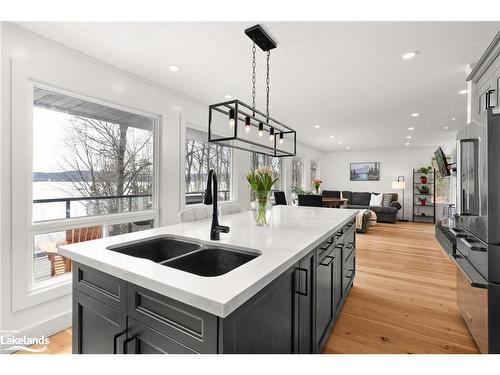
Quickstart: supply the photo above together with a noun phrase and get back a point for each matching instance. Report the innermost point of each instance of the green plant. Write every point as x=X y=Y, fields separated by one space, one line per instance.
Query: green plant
x=424 y=170
x=424 y=189
x=297 y=190
x=261 y=179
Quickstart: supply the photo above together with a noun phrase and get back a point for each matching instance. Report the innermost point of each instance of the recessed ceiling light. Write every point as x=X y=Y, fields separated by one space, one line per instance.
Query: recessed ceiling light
x=445 y=128
x=173 y=68
x=332 y=136
x=227 y=96
x=409 y=55
x=453 y=119
x=411 y=128
x=416 y=114
x=407 y=143
x=317 y=126
x=341 y=143
x=347 y=148
x=408 y=137
x=463 y=92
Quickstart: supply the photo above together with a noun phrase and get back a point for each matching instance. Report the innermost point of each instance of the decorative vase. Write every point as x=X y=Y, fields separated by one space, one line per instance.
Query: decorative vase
x=262 y=209
x=316 y=188
x=422 y=201
x=423 y=179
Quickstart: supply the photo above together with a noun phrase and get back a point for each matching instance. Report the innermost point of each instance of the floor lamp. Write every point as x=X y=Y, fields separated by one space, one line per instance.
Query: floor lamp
x=401 y=185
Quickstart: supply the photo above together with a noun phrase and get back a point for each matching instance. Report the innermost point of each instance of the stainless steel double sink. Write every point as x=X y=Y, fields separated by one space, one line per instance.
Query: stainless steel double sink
x=185 y=255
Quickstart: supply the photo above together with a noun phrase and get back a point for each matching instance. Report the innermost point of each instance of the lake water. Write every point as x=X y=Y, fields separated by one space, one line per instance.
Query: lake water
x=55 y=210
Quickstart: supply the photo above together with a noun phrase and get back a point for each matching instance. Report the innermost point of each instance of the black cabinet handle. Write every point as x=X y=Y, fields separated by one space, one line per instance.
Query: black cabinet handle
x=340 y=246
x=125 y=344
x=479 y=248
x=115 y=339
x=330 y=260
x=298 y=291
x=488 y=99
x=350 y=245
x=351 y=273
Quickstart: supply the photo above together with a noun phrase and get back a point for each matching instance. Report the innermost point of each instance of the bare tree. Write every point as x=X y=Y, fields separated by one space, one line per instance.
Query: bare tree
x=202 y=156
x=108 y=159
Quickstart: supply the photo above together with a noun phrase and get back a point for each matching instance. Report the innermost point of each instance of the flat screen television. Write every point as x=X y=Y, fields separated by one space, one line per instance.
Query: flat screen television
x=442 y=163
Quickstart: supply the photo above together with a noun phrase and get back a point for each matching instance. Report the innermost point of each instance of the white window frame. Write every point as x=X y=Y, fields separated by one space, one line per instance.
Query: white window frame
x=182 y=160
x=318 y=174
x=25 y=292
x=302 y=174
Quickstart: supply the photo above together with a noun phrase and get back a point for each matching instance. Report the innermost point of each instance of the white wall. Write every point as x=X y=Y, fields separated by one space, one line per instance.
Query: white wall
x=393 y=163
x=26 y=56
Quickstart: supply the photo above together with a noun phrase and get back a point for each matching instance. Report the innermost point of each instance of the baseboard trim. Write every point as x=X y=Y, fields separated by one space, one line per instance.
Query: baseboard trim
x=45 y=328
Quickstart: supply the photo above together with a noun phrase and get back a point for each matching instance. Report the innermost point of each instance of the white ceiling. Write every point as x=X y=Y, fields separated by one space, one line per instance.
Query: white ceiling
x=347 y=77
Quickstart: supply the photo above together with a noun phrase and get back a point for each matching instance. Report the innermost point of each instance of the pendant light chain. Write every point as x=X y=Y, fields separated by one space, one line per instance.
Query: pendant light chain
x=267 y=87
x=253 y=78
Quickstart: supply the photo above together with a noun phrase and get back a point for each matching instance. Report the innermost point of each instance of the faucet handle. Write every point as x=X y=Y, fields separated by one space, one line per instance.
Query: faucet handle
x=222 y=228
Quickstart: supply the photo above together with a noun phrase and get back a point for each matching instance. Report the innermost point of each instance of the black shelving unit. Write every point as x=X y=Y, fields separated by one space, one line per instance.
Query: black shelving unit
x=424 y=200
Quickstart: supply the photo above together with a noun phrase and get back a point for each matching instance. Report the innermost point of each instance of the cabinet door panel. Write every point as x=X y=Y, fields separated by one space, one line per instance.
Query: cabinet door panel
x=97 y=328
x=267 y=323
x=337 y=279
x=348 y=274
x=305 y=295
x=324 y=297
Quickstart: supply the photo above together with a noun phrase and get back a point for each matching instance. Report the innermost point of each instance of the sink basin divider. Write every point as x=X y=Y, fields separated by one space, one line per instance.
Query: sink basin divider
x=164 y=262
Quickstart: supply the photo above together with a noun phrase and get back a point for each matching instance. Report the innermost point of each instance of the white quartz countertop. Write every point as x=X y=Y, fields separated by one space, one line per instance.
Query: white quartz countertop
x=292 y=233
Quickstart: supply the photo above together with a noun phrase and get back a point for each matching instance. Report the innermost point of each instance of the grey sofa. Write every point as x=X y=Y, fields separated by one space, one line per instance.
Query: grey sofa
x=361 y=200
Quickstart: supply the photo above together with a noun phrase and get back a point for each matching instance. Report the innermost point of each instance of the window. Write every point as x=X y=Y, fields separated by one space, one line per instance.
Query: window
x=314 y=169
x=132 y=226
x=90 y=161
x=297 y=172
x=443 y=184
x=260 y=160
x=200 y=157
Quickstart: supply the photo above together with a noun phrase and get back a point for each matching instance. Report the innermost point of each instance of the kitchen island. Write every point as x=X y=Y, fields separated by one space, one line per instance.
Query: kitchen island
x=283 y=299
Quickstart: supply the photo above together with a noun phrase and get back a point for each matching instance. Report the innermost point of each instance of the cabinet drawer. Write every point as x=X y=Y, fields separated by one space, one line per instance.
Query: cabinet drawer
x=103 y=287
x=144 y=340
x=187 y=325
x=348 y=274
x=338 y=235
x=349 y=246
x=349 y=225
x=324 y=249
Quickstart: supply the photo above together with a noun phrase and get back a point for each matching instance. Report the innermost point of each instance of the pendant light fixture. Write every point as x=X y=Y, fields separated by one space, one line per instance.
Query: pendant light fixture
x=235 y=112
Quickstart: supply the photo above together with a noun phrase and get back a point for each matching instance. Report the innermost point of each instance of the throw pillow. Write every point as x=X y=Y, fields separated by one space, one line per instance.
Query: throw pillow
x=386 y=200
x=375 y=200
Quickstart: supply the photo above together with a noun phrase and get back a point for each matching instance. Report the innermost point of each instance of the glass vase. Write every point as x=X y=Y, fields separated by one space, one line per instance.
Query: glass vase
x=262 y=210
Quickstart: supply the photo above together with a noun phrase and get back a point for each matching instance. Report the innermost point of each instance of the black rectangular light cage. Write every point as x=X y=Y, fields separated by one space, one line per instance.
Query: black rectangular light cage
x=236 y=124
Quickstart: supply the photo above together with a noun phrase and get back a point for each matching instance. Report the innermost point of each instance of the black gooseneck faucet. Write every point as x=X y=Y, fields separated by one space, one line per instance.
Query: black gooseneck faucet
x=210 y=197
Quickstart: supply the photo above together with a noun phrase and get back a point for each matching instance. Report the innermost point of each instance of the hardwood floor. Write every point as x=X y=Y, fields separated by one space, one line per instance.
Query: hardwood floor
x=403 y=299
x=60 y=343
x=404 y=296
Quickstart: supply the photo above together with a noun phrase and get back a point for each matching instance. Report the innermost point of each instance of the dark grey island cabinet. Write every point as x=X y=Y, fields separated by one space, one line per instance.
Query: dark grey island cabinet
x=295 y=313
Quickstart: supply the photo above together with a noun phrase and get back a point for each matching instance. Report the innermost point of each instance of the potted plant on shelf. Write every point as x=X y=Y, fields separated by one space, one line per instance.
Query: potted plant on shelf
x=316 y=183
x=261 y=182
x=424 y=189
x=424 y=171
x=423 y=201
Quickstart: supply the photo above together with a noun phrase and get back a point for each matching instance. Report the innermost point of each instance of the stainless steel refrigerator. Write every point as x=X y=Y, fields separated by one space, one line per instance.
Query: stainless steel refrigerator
x=478 y=245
